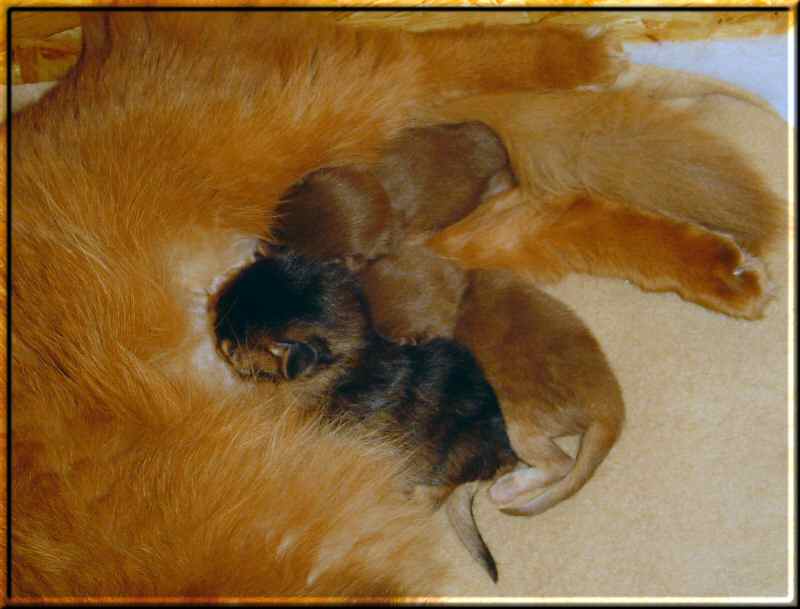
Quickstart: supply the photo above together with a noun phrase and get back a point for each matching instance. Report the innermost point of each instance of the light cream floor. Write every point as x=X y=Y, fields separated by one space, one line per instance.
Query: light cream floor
x=693 y=500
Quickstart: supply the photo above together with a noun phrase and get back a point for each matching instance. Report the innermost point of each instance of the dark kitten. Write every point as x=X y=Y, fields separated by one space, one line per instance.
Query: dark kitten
x=286 y=318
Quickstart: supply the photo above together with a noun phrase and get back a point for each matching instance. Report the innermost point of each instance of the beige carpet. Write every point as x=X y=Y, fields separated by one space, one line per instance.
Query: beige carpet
x=693 y=500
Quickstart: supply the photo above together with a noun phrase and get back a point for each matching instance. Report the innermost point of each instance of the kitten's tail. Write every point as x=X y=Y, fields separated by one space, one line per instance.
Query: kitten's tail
x=596 y=443
x=462 y=519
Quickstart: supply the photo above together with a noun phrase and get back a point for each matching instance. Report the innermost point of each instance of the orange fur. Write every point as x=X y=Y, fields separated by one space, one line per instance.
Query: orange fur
x=140 y=465
x=622 y=185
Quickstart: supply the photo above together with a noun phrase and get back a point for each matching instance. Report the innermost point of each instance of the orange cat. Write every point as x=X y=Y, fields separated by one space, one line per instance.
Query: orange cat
x=141 y=466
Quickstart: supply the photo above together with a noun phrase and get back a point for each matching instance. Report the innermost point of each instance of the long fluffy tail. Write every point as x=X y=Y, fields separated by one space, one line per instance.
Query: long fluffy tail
x=459 y=513
x=595 y=445
x=629 y=147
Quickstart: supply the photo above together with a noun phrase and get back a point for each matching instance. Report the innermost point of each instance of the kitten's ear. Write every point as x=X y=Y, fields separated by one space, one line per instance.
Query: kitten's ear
x=297 y=359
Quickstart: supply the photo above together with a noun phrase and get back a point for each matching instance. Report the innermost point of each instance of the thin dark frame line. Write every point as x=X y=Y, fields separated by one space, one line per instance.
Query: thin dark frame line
x=9 y=84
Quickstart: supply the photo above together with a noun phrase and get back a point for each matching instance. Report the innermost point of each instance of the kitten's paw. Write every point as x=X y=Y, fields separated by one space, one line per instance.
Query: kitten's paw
x=235 y=355
x=510 y=487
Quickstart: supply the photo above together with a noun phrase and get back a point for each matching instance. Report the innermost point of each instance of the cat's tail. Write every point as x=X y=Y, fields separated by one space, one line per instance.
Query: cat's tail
x=462 y=519
x=596 y=443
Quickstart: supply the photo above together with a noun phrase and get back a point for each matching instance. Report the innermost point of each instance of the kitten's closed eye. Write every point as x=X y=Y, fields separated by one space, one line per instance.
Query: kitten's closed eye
x=296 y=358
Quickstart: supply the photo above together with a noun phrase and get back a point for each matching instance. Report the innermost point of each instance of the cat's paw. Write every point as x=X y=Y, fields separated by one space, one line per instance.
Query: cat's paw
x=608 y=59
x=728 y=279
x=569 y=58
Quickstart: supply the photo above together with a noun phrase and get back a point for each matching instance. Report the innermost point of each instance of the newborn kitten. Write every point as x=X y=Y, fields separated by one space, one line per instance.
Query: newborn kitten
x=547 y=369
x=429 y=178
x=413 y=294
x=552 y=379
x=287 y=318
x=341 y=213
x=435 y=176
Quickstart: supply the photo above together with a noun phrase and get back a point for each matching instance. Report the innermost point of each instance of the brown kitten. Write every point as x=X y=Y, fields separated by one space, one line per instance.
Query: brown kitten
x=552 y=380
x=428 y=178
x=339 y=213
x=413 y=294
x=548 y=371
x=435 y=176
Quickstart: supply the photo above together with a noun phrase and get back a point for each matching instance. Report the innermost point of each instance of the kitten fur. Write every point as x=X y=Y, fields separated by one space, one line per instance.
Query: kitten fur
x=427 y=179
x=552 y=379
x=547 y=369
x=413 y=293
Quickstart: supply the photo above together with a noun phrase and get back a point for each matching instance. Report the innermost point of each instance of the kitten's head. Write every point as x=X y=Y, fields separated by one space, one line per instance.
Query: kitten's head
x=287 y=316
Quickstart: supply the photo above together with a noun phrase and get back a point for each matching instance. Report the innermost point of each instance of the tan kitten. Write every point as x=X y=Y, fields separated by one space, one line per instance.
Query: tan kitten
x=552 y=380
x=548 y=371
x=413 y=294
